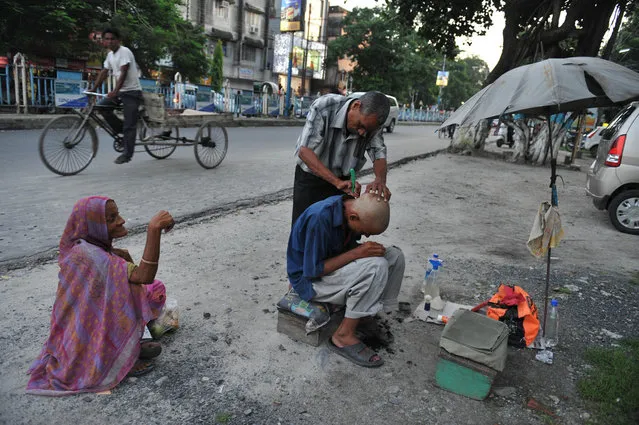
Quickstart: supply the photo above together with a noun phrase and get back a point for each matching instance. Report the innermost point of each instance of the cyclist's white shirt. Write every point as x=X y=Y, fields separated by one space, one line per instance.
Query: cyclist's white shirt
x=114 y=61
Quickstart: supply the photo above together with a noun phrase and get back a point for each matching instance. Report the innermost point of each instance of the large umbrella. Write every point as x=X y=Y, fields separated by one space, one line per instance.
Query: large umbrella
x=549 y=87
x=546 y=88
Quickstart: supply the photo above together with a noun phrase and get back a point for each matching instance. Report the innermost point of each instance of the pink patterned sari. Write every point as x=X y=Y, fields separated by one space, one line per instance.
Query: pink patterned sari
x=98 y=317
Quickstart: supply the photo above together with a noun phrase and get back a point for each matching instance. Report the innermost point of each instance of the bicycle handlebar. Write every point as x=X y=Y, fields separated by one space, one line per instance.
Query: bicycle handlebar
x=94 y=94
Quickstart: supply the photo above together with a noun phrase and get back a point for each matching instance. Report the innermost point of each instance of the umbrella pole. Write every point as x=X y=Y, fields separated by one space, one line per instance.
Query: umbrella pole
x=554 y=201
x=543 y=328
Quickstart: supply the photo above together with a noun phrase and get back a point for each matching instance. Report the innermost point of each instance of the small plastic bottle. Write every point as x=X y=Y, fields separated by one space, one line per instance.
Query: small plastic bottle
x=427 y=300
x=431 y=285
x=552 y=325
x=432 y=267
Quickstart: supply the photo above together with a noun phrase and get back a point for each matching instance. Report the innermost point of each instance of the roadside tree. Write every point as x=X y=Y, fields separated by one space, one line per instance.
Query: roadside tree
x=152 y=29
x=217 y=68
x=534 y=29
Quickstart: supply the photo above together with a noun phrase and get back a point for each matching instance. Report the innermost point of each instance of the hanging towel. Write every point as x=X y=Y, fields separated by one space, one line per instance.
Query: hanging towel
x=546 y=231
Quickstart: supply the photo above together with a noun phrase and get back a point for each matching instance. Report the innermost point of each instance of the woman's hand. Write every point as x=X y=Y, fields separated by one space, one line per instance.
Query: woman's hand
x=162 y=220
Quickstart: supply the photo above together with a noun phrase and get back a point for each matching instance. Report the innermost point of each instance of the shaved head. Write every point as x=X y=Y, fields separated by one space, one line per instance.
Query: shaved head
x=373 y=215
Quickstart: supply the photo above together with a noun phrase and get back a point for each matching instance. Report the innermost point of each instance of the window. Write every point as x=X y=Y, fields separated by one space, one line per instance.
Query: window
x=249 y=53
x=225 y=48
x=222 y=9
x=253 y=23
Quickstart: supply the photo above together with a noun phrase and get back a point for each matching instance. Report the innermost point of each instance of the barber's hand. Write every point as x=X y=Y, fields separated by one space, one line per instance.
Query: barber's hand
x=380 y=189
x=162 y=220
x=346 y=187
x=112 y=94
x=370 y=249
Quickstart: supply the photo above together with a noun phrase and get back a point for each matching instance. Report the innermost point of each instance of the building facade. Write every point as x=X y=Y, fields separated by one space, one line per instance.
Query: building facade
x=338 y=74
x=243 y=27
x=308 y=48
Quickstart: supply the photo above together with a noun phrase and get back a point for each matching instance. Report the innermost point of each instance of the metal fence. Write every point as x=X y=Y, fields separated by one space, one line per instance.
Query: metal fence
x=423 y=115
x=5 y=85
x=41 y=93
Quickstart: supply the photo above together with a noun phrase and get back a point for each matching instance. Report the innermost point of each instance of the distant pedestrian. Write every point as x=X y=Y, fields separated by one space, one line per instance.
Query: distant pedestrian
x=238 y=99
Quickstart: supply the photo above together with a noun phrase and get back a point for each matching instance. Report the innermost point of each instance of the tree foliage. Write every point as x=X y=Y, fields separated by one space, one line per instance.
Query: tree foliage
x=152 y=29
x=465 y=79
x=397 y=60
x=52 y=28
x=534 y=29
x=217 y=67
x=442 y=21
x=625 y=50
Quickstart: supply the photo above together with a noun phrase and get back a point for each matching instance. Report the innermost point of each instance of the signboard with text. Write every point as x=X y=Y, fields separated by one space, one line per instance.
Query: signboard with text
x=291 y=16
x=442 y=78
x=68 y=94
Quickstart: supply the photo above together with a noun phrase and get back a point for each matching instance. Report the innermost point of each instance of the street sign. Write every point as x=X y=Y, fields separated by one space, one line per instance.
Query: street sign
x=442 y=78
x=291 y=16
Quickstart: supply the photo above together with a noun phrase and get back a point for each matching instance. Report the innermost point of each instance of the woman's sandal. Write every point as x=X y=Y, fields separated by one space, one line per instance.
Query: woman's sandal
x=140 y=368
x=149 y=350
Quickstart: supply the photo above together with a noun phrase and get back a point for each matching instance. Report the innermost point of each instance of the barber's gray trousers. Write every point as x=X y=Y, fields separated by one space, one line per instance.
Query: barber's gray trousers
x=365 y=286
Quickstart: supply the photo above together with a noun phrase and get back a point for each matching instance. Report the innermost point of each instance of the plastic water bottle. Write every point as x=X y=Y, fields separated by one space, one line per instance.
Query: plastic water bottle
x=431 y=285
x=552 y=325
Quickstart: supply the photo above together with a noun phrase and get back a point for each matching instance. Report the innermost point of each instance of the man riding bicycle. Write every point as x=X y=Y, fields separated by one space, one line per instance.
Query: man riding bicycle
x=127 y=92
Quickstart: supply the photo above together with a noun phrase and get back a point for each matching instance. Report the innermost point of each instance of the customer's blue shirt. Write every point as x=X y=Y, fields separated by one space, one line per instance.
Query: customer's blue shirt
x=317 y=235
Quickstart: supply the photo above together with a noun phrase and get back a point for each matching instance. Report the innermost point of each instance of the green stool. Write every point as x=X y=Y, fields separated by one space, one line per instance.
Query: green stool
x=473 y=350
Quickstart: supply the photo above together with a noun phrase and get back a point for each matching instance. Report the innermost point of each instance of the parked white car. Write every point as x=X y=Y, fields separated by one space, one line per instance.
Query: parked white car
x=393 y=115
x=591 y=141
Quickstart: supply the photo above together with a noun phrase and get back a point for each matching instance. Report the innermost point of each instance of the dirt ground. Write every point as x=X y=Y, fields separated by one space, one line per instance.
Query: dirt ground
x=234 y=367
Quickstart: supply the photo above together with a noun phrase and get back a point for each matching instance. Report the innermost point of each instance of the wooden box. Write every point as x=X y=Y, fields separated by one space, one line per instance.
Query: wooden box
x=294 y=326
x=463 y=376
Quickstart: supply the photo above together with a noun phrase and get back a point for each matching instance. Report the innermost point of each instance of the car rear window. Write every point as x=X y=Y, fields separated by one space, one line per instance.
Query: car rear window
x=617 y=122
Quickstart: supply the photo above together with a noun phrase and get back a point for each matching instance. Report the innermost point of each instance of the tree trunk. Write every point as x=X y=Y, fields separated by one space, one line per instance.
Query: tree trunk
x=481 y=134
x=521 y=138
x=607 y=51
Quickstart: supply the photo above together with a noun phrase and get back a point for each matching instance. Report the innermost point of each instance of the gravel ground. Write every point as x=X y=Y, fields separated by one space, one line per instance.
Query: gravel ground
x=233 y=367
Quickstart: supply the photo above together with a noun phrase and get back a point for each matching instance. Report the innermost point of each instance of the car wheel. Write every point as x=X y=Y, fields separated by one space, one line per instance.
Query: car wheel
x=499 y=142
x=593 y=151
x=624 y=211
x=391 y=126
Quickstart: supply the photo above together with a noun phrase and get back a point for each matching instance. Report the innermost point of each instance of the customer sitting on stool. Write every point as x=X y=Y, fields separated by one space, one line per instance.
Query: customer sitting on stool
x=326 y=264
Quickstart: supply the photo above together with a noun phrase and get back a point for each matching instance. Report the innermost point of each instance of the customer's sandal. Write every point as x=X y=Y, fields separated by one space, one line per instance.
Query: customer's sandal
x=140 y=368
x=149 y=350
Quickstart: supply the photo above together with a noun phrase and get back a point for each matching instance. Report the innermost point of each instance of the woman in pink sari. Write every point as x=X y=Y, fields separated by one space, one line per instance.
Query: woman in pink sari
x=102 y=305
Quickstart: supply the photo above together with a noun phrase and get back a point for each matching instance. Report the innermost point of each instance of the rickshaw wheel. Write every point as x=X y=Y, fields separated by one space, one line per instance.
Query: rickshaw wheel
x=211 y=144
x=66 y=147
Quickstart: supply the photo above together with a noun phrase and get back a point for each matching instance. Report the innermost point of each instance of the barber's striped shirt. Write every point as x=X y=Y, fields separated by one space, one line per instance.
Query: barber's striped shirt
x=325 y=133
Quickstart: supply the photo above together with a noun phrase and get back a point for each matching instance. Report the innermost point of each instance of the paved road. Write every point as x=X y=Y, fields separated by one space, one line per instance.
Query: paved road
x=35 y=203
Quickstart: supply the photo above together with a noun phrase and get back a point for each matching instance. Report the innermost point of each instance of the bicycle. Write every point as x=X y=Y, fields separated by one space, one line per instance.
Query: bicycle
x=69 y=143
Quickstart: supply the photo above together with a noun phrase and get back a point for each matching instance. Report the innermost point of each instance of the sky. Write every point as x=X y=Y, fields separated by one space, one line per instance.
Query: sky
x=488 y=47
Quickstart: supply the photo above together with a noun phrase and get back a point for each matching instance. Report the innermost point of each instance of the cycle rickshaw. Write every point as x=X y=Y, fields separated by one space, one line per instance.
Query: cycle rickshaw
x=69 y=143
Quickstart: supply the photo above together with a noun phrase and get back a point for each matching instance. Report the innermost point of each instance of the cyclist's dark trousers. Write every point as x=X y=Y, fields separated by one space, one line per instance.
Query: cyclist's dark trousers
x=130 y=100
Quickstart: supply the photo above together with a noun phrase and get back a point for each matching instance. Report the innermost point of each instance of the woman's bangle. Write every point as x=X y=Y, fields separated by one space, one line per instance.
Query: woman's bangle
x=153 y=263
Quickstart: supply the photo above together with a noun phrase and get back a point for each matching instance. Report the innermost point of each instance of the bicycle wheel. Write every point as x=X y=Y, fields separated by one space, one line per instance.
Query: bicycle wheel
x=65 y=147
x=159 y=134
x=211 y=143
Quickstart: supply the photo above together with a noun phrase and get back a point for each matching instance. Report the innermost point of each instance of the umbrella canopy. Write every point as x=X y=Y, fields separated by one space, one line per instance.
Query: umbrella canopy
x=552 y=86
x=457 y=117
